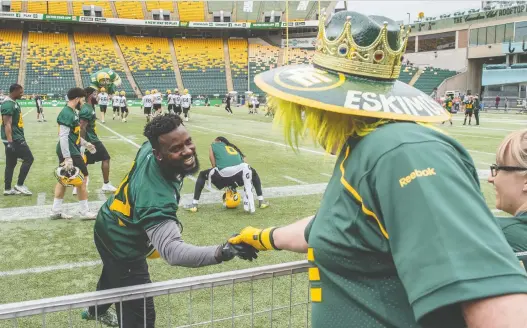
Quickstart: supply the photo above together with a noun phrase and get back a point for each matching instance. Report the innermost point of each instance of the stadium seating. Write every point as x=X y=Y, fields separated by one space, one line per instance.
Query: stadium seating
x=261 y=58
x=406 y=74
x=431 y=78
x=96 y=51
x=104 y=4
x=16 y=6
x=239 y=58
x=165 y=5
x=300 y=56
x=10 y=44
x=40 y=7
x=58 y=7
x=247 y=11
x=149 y=61
x=49 y=68
x=202 y=65
x=129 y=9
x=191 y=11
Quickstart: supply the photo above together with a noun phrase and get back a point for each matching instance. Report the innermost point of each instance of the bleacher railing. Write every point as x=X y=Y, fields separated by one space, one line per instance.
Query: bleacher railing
x=290 y=307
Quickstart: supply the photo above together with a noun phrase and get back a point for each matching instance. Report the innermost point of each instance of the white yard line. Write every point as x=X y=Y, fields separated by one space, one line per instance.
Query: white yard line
x=474 y=136
x=326 y=175
x=295 y=180
x=66 y=266
x=120 y=135
x=41 y=198
x=29 y=111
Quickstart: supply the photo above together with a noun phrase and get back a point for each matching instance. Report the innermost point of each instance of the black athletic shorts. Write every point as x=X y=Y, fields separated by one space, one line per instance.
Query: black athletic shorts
x=103 y=108
x=157 y=106
x=468 y=112
x=124 y=109
x=100 y=155
x=220 y=182
x=22 y=151
x=178 y=109
x=147 y=110
x=116 y=109
x=185 y=110
x=78 y=162
x=171 y=107
x=40 y=110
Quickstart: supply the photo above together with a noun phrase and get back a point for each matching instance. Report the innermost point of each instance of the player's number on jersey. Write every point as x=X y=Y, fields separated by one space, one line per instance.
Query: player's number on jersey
x=20 y=122
x=120 y=203
x=231 y=150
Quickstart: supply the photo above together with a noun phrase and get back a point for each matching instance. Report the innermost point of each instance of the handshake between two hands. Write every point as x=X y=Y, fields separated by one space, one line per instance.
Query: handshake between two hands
x=246 y=244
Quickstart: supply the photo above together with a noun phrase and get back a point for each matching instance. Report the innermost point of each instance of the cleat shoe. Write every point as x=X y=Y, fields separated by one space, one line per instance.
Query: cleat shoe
x=193 y=208
x=87 y=215
x=186 y=119
x=11 y=192
x=107 y=187
x=23 y=190
x=263 y=204
x=109 y=318
x=60 y=216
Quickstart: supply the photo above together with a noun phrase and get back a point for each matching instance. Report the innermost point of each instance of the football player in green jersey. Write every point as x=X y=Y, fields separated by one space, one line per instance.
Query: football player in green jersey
x=105 y=78
x=88 y=120
x=140 y=221
x=12 y=133
x=469 y=110
x=387 y=247
x=229 y=170
x=449 y=102
x=69 y=154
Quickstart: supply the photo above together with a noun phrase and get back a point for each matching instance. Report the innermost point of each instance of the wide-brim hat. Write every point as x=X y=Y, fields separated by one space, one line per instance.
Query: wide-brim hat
x=354 y=71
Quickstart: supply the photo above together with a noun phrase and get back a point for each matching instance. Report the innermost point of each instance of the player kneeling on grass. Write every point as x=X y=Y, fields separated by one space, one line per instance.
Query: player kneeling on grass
x=140 y=221
x=68 y=152
x=146 y=103
x=88 y=119
x=229 y=170
x=124 y=107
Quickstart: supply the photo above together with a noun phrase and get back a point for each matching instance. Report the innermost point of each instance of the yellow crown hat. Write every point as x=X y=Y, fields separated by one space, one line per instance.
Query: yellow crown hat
x=354 y=69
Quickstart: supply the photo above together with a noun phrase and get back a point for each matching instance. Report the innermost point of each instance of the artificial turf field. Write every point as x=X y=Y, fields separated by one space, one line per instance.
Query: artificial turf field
x=33 y=249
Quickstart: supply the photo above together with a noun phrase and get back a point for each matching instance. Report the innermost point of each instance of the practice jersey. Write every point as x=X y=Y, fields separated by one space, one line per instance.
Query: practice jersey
x=177 y=100
x=171 y=99
x=515 y=230
x=158 y=99
x=69 y=118
x=103 y=99
x=225 y=156
x=144 y=199
x=116 y=101
x=114 y=78
x=11 y=108
x=386 y=248
x=2 y=98
x=186 y=100
x=123 y=101
x=38 y=101
x=469 y=105
x=147 y=101
x=87 y=113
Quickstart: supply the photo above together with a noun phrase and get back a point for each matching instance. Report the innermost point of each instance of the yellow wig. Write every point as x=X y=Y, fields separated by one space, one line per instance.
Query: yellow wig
x=327 y=129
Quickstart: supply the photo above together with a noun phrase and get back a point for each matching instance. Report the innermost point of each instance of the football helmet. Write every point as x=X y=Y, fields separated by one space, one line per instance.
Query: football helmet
x=123 y=93
x=155 y=91
x=231 y=198
x=185 y=91
x=103 y=90
x=67 y=178
x=103 y=78
x=176 y=90
x=169 y=92
x=147 y=92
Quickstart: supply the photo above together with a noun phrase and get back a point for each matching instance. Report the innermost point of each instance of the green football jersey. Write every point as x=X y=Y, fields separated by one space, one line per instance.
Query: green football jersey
x=225 y=155
x=109 y=88
x=69 y=118
x=515 y=230
x=12 y=108
x=87 y=113
x=392 y=245
x=144 y=199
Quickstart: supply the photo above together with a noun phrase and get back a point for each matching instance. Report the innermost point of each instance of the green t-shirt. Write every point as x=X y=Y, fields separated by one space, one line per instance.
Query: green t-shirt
x=515 y=230
x=144 y=199
x=12 y=108
x=392 y=245
x=109 y=88
x=88 y=114
x=69 y=118
x=449 y=103
x=225 y=155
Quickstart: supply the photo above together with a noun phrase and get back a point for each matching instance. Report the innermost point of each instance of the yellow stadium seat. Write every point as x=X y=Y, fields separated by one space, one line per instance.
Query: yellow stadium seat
x=104 y=4
x=58 y=7
x=10 y=48
x=239 y=59
x=40 y=7
x=191 y=11
x=261 y=59
x=16 y=6
x=165 y=5
x=129 y=9
x=300 y=56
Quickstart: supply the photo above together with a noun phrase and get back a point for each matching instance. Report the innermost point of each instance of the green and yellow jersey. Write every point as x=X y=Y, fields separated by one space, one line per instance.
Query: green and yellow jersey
x=88 y=114
x=469 y=105
x=110 y=88
x=388 y=248
x=225 y=155
x=448 y=104
x=69 y=118
x=11 y=108
x=144 y=199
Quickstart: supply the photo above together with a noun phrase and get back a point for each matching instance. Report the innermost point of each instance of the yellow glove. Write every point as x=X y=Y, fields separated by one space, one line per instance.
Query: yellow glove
x=260 y=239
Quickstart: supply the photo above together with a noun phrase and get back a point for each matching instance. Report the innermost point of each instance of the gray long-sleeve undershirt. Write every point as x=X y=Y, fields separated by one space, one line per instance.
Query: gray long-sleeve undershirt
x=166 y=238
x=64 y=131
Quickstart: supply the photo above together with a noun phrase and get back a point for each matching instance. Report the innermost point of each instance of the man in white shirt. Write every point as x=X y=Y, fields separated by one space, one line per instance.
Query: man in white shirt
x=158 y=100
x=177 y=102
x=171 y=102
x=124 y=108
x=103 y=100
x=186 y=100
x=116 y=103
x=147 y=103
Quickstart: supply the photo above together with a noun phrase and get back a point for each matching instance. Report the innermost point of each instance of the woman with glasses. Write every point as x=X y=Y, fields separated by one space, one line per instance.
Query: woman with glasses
x=509 y=177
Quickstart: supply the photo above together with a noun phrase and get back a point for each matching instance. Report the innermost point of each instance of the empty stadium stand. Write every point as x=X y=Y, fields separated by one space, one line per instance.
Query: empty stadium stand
x=16 y=6
x=104 y=4
x=165 y=5
x=406 y=73
x=58 y=7
x=149 y=61
x=49 y=68
x=96 y=51
x=10 y=44
x=431 y=78
x=202 y=67
x=37 y=7
x=239 y=58
x=191 y=11
x=261 y=58
x=129 y=9
x=300 y=56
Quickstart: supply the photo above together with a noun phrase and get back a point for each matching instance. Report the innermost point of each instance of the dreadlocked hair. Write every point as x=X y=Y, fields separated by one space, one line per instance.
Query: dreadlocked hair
x=160 y=125
x=225 y=141
x=327 y=129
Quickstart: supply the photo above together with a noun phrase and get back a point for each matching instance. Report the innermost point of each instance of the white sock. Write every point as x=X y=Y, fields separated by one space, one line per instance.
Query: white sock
x=87 y=181
x=195 y=202
x=57 y=205
x=83 y=204
x=260 y=198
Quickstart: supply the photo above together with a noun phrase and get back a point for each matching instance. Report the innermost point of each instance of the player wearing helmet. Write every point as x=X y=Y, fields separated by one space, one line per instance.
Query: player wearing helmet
x=103 y=99
x=171 y=100
x=124 y=107
x=158 y=101
x=146 y=103
x=116 y=104
x=106 y=78
x=177 y=101
x=186 y=100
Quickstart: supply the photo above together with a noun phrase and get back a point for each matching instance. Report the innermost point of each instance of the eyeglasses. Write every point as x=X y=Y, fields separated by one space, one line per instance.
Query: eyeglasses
x=495 y=168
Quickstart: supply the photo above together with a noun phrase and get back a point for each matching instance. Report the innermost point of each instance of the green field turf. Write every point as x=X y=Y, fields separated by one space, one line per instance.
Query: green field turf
x=42 y=243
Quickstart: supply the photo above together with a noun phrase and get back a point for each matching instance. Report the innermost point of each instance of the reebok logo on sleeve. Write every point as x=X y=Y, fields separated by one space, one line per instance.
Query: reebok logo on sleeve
x=416 y=174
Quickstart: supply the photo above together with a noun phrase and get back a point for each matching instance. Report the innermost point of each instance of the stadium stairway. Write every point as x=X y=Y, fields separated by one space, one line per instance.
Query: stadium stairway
x=75 y=61
x=176 y=11
x=415 y=77
x=145 y=10
x=114 y=10
x=70 y=7
x=23 y=58
x=228 y=73
x=24 y=6
x=127 y=71
x=179 y=79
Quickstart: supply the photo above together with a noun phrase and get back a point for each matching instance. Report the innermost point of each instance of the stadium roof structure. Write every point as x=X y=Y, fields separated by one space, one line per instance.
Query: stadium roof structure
x=504 y=74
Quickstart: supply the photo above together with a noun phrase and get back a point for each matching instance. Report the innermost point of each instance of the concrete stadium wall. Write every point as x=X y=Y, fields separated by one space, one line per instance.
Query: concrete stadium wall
x=454 y=59
x=457 y=82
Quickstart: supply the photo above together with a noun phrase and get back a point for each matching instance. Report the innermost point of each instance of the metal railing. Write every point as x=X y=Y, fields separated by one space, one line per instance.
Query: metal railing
x=259 y=297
